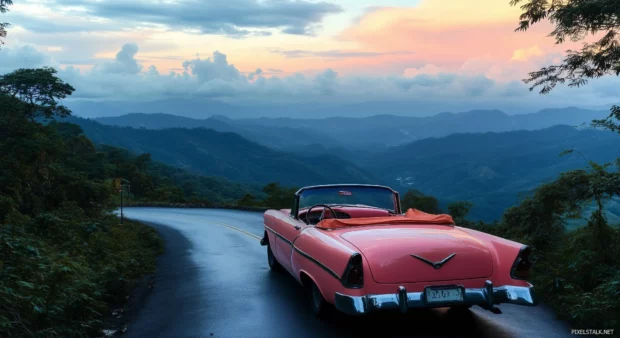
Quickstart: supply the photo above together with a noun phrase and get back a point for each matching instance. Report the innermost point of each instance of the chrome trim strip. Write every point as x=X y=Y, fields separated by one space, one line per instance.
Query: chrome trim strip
x=400 y=299
x=277 y=234
x=436 y=265
x=344 y=186
x=312 y=259
x=397 y=205
x=321 y=265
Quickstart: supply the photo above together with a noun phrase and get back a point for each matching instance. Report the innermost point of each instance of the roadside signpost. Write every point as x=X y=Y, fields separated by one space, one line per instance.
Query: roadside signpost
x=122 y=185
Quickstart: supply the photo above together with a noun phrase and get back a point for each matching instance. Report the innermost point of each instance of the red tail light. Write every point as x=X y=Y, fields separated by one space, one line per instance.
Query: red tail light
x=522 y=265
x=353 y=276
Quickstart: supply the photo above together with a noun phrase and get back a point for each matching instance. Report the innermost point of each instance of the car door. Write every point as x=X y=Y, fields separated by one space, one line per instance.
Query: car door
x=290 y=229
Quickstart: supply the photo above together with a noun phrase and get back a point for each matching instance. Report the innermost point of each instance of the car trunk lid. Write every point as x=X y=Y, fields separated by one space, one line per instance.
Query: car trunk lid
x=406 y=254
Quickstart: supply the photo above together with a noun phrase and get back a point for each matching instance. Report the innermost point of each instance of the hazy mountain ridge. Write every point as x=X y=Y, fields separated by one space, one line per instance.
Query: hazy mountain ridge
x=228 y=155
x=379 y=131
x=277 y=137
x=394 y=130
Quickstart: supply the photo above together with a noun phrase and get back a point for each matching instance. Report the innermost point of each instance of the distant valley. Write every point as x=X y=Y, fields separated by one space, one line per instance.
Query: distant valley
x=485 y=157
x=226 y=154
x=491 y=169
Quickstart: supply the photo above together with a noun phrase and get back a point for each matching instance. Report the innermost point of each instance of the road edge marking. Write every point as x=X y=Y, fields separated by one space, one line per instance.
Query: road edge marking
x=236 y=229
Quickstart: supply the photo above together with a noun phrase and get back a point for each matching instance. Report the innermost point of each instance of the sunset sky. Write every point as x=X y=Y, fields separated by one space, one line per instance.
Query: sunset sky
x=286 y=50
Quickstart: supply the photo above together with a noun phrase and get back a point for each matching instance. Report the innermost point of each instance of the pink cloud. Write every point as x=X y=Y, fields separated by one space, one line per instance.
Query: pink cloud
x=448 y=37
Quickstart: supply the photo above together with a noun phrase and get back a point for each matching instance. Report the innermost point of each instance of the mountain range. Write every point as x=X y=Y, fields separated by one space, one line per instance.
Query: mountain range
x=366 y=133
x=200 y=107
x=276 y=137
x=486 y=157
x=228 y=155
x=490 y=169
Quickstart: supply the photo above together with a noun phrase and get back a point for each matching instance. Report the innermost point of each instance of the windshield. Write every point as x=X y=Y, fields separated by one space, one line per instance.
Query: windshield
x=349 y=196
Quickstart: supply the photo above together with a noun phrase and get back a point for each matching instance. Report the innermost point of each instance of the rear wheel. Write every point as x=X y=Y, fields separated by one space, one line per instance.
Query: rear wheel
x=274 y=265
x=320 y=307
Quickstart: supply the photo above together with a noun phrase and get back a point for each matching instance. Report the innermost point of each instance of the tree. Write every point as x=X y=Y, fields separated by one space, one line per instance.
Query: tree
x=278 y=197
x=248 y=200
x=414 y=199
x=4 y=4
x=574 y=20
x=38 y=90
x=459 y=210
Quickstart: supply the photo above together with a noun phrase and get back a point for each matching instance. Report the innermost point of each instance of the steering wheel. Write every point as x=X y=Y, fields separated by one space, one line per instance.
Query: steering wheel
x=322 y=214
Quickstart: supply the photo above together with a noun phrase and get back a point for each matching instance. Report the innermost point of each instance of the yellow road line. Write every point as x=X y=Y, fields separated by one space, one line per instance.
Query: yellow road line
x=236 y=229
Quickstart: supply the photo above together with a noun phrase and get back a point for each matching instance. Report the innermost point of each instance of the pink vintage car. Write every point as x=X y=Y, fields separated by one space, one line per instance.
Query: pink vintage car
x=351 y=246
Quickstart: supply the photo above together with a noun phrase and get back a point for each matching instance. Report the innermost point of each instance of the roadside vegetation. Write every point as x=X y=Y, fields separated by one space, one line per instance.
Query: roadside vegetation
x=65 y=260
x=578 y=272
x=575 y=272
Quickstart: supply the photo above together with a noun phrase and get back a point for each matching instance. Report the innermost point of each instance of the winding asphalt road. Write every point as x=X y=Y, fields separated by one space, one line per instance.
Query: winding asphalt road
x=213 y=281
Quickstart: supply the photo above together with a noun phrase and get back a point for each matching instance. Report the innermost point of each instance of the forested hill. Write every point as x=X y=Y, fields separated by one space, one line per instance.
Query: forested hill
x=276 y=137
x=491 y=169
x=228 y=155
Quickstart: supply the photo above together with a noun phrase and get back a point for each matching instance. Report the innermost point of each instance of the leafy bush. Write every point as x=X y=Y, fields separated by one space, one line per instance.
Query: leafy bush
x=577 y=272
x=60 y=284
x=64 y=257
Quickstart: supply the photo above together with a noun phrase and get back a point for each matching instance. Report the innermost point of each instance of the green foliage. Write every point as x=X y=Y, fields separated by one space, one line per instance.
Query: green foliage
x=227 y=155
x=4 y=4
x=539 y=219
x=579 y=271
x=574 y=20
x=38 y=92
x=609 y=122
x=248 y=200
x=459 y=211
x=576 y=272
x=414 y=199
x=63 y=256
x=61 y=270
x=278 y=197
x=153 y=181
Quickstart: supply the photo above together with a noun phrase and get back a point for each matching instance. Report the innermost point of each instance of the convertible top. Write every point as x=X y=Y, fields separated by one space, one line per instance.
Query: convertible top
x=412 y=216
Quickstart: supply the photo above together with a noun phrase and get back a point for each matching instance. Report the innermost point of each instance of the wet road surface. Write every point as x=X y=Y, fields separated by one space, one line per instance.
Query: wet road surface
x=213 y=281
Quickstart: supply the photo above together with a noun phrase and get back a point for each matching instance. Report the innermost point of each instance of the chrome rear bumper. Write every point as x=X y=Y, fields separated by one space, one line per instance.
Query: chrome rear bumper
x=486 y=297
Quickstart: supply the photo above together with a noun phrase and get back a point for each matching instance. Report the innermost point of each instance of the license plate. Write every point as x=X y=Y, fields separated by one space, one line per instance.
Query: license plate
x=444 y=295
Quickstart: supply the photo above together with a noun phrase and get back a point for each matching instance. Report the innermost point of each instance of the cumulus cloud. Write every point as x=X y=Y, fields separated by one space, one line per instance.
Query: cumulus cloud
x=432 y=87
x=235 y=18
x=213 y=68
x=125 y=62
x=326 y=82
x=524 y=54
x=24 y=56
x=255 y=74
x=428 y=69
